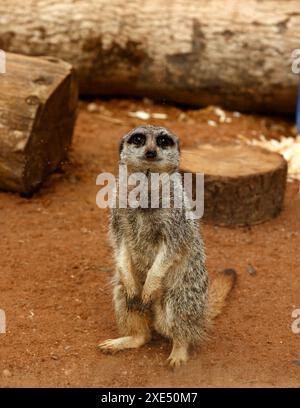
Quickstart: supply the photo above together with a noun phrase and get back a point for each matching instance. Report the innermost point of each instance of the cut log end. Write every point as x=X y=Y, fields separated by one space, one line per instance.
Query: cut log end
x=38 y=103
x=244 y=185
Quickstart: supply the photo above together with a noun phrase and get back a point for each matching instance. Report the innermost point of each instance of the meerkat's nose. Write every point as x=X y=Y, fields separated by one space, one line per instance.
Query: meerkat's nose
x=151 y=154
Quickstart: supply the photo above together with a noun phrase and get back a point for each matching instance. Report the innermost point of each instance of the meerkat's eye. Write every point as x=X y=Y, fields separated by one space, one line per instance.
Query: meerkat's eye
x=164 y=141
x=138 y=139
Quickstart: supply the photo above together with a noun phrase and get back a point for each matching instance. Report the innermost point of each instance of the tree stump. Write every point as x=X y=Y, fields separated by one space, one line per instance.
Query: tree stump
x=243 y=185
x=38 y=100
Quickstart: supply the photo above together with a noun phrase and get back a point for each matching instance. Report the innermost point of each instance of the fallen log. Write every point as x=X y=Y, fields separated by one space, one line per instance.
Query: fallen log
x=237 y=54
x=38 y=99
x=243 y=185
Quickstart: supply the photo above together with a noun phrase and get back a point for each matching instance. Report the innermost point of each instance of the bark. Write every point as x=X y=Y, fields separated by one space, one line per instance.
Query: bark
x=243 y=185
x=38 y=99
x=226 y=52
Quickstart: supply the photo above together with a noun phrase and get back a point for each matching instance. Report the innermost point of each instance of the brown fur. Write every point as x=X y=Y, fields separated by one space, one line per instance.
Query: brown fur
x=219 y=290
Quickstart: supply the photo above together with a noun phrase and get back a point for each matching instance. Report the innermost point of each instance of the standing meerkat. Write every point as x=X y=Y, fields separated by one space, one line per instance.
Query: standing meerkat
x=161 y=280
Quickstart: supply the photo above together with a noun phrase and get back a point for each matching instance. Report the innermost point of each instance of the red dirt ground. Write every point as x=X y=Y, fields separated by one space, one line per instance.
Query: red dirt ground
x=56 y=264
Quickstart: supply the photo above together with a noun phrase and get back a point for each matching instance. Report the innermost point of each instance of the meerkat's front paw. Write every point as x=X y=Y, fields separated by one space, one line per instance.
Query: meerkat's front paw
x=151 y=289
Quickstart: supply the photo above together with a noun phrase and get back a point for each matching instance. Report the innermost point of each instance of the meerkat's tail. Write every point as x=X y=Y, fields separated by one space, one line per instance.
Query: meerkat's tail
x=219 y=290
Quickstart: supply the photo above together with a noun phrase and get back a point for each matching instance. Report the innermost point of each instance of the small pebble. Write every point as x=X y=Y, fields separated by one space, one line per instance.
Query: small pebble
x=93 y=107
x=251 y=270
x=139 y=115
x=6 y=373
x=182 y=116
x=211 y=123
x=158 y=115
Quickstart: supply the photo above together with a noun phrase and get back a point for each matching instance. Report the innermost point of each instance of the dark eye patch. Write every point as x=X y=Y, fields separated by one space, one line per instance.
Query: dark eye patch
x=164 y=141
x=138 y=139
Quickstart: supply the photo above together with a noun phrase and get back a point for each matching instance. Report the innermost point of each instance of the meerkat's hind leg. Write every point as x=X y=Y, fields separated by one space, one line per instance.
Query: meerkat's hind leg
x=123 y=343
x=133 y=325
x=179 y=354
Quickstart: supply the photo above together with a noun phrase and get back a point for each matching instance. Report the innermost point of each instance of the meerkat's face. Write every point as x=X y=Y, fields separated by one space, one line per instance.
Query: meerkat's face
x=150 y=148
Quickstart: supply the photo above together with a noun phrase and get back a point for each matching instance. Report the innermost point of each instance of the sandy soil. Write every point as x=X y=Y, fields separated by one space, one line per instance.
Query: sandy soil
x=56 y=264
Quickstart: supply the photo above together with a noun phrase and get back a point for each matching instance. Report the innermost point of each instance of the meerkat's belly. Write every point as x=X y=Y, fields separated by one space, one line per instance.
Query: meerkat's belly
x=144 y=238
x=143 y=254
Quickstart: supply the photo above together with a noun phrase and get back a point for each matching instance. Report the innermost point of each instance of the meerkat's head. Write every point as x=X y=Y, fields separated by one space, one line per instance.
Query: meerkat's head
x=150 y=148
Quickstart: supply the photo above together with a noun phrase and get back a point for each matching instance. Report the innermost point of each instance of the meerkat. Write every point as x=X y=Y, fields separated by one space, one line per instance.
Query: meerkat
x=160 y=281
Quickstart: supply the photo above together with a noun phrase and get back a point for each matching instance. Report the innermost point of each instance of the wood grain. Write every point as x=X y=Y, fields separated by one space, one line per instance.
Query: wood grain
x=38 y=100
x=236 y=54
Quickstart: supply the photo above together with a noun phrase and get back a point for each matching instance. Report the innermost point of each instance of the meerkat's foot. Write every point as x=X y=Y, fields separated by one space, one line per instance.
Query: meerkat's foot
x=122 y=343
x=178 y=356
